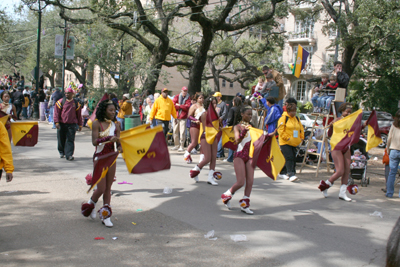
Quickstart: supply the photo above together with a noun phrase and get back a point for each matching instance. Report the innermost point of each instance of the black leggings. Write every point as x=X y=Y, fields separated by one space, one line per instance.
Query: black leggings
x=289 y=152
x=165 y=125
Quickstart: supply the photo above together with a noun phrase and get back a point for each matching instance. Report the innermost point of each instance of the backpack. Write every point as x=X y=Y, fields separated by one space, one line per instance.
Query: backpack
x=65 y=99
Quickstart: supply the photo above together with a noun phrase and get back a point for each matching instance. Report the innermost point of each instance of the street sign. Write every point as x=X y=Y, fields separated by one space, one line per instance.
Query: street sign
x=40 y=73
x=58 y=52
x=70 y=48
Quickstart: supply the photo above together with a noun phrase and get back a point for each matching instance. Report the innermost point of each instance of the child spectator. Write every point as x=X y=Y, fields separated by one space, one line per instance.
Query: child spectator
x=260 y=84
x=268 y=85
x=319 y=93
x=326 y=100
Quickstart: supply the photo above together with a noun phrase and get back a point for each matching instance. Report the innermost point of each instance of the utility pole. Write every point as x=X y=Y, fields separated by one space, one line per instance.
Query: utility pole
x=36 y=103
x=63 y=59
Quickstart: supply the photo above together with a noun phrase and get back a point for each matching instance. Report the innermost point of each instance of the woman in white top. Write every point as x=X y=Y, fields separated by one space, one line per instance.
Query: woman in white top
x=195 y=112
x=105 y=132
x=393 y=146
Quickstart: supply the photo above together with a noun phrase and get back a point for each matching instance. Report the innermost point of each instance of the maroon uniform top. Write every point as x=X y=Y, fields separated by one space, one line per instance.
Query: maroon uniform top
x=67 y=113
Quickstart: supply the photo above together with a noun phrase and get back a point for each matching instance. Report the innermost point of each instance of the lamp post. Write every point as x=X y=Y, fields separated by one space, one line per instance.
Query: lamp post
x=36 y=103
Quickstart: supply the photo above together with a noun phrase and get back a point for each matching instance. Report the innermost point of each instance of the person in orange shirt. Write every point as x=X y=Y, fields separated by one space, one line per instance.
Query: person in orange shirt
x=125 y=109
x=162 y=110
x=6 y=159
x=25 y=105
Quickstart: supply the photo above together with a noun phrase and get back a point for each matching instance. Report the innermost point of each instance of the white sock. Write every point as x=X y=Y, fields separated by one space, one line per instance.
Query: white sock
x=186 y=154
x=328 y=183
x=245 y=197
x=196 y=168
x=91 y=202
x=228 y=193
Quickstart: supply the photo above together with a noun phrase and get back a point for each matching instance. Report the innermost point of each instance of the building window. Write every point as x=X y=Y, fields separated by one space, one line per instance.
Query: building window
x=231 y=85
x=301 y=89
x=304 y=28
x=310 y=50
x=223 y=83
x=332 y=33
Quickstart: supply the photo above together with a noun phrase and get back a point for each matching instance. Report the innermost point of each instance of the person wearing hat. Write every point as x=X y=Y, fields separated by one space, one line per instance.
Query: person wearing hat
x=182 y=104
x=67 y=114
x=277 y=77
x=222 y=112
x=162 y=110
x=125 y=109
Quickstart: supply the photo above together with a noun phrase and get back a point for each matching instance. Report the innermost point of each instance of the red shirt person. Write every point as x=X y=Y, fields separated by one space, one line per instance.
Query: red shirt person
x=67 y=115
x=182 y=104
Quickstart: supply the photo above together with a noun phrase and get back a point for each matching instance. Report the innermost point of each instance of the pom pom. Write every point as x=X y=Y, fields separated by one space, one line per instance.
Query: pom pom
x=86 y=209
x=80 y=86
x=89 y=178
x=244 y=203
x=105 y=212
x=353 y=189
x=323 y=185
x=217 y=175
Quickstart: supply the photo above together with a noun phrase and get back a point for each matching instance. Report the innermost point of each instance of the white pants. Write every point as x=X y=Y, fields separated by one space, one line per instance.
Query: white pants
x=180 y=132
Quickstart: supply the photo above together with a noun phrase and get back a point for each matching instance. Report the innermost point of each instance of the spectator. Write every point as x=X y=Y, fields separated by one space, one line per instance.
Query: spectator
x=135 y=103
x=342 y=77
x=268 y=85
x=277 y=77
x=67 y=115
x=147 y=111
x=325 y=102
x=182 y=104
x=233 y=112
x=18 y=100
x=85 y=112
x=393 y=145
x=222 y=112
x=25 y=104
x=162 y=110
x=291 y=134
x=125 y=109
x=260 y=84
x=21 y=83
x=274 y=112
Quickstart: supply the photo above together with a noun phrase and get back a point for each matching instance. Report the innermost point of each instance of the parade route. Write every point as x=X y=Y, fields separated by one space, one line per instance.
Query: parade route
x=293 y=225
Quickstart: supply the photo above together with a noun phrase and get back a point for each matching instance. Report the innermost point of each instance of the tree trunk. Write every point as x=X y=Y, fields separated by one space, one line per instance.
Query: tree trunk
x=156 y=64
x=199 y=61
x=215 y=74
x=350 y=59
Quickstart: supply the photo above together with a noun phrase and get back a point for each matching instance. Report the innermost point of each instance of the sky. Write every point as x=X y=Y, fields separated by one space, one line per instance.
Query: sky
x=8 y=4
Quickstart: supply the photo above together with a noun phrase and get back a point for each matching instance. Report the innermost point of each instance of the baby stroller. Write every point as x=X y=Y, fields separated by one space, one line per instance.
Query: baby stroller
x=359 y=162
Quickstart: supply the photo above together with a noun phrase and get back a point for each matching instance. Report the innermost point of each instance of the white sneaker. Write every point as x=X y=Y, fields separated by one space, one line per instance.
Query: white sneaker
x=93 y=214
x=180 y=149
x=225 y=160
x=293 y=178
x=194 y=151
x=247 y=210
x=196 y=179
x=283 y=176
x=325 y=193
x=175 y=148
x=107 y=222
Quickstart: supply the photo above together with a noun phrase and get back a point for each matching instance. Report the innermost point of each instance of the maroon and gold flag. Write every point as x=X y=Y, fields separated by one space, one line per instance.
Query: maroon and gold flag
x=146 y=151
x=268 y=156
x=374 y=135
x=346 y=131
x=228 y=138
x=4 y=117
x=101 y=166
x=212 y=124
x=92 y=117
x=25 y=133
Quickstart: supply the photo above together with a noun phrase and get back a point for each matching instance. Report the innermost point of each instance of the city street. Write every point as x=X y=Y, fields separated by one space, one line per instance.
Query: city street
x=293 y=225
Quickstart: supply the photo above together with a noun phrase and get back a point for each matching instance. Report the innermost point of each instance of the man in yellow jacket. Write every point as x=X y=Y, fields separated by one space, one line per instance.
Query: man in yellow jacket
x=162 y=110
x=125 y=109
x=6 y=159
x=291 y=134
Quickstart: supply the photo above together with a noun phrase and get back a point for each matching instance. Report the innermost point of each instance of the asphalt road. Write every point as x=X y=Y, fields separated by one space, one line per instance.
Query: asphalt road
x=293 y=224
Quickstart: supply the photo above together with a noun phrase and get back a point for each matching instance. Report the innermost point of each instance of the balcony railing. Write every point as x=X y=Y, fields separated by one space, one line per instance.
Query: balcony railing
x=302 y=37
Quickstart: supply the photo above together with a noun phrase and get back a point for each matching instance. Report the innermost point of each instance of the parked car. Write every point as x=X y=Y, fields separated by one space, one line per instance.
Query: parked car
x=307 y=120
x=385 y=121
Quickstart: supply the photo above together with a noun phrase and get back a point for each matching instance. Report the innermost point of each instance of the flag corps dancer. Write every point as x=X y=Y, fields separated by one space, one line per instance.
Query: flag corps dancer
x=341 y=153
x=105 y=132
x=242 y=161
x=209 y=150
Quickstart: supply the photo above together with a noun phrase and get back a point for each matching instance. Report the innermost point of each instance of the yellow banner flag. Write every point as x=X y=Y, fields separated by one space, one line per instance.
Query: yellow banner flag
x=255 y=134
x=4 y=119
x=346 y=131
x=228 y=138
x=135 y=130
x=25 y=133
